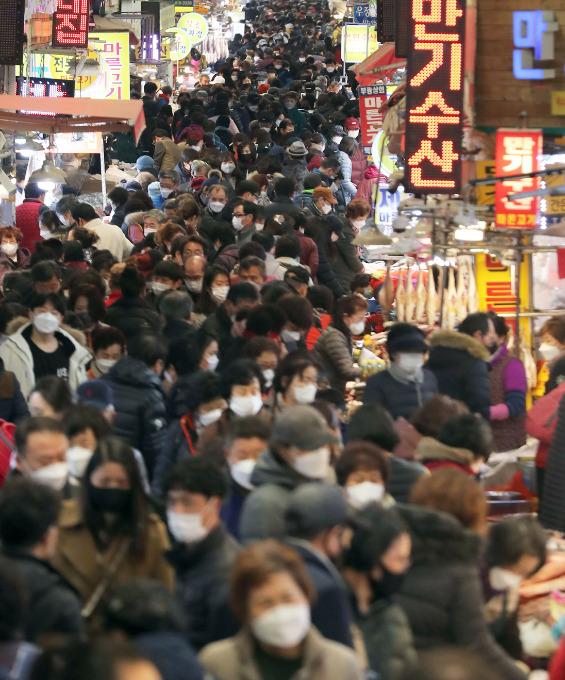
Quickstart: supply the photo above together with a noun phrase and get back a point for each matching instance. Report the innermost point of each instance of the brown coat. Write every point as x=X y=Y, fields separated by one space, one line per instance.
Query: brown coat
x=232 y=659
x=78 y=559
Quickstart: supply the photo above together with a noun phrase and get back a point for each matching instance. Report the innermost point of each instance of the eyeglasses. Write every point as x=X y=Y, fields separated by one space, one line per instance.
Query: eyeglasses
x=239 y=214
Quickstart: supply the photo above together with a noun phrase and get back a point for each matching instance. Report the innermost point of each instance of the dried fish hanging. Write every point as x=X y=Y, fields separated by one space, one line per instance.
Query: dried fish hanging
x=400 y=299
x=432 y=298
x=410 y=297
x=420 y=297
x=386 y=294
x=462 y=295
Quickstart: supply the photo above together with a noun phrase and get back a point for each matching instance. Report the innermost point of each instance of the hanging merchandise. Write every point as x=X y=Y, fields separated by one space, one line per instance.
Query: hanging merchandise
x=410 y=298
x=421 y=297
x=386 y=295
x=450 y=302
x=400 y=299
x=432 y=299
x=462 y=296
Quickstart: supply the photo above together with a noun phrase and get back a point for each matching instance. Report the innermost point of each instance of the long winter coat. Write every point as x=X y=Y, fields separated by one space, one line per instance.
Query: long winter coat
x=346 y=170
x=335 y=351
x=347 y=262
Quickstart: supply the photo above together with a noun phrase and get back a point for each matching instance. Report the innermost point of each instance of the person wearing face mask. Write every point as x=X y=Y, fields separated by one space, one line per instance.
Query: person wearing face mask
x=12 y=256
x=347 y=149
x=215 y=289
x=515 y=551
x=508 y=390
x=204 y=552
x=194 y=270
x=271 y=595
x=375 y=562
x=358 y=160
x=108 y=347
x=243 y=221
x=139 y=396
x=336 y=134
x=293 y=113
x=296 y=379
x=335 y=345
x=316 y=517
x=322 y=202
x=299 y=453
x=406 y=385
x=232 y=175
x=362 y=470
x=167 y=154
x=552 y=350
x=110 y=237
x=109 y=535
x=41 y=347
x=28 y=532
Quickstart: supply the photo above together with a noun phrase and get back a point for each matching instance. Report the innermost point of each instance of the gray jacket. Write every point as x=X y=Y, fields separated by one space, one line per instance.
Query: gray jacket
x=336 y=354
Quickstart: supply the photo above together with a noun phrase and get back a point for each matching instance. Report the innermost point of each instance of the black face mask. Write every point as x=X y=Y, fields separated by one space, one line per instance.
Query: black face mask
x=387 y=586
x=109 y=500
x=493 y=348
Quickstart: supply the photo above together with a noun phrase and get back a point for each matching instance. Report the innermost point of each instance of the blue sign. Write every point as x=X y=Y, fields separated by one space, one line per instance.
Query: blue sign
x=534 y=37
x=365 y=13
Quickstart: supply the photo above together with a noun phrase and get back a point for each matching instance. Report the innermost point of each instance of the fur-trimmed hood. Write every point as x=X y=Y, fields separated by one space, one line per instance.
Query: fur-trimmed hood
x=17 y=322
x=135 y=217
x=454 y=340
x=431 y=449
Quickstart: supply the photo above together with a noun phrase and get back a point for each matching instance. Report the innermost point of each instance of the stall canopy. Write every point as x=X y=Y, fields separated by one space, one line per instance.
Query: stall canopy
x=382 y=63
x=50 y=115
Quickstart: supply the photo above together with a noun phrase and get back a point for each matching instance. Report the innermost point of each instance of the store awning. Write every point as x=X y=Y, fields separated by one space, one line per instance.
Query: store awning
x=73 y=114
x=382 y=63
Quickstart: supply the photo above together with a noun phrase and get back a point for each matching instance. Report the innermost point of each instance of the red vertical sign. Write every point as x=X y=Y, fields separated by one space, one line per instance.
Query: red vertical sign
x=371 y=98
x=70 y=23
x=517 y=152
x=434 y=96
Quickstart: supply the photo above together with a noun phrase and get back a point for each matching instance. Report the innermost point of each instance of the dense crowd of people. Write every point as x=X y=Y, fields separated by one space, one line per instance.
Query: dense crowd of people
x=185 y=492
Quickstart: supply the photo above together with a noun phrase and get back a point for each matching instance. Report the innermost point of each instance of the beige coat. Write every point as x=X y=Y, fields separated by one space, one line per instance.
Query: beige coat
x=232 y=659
x=78 y=558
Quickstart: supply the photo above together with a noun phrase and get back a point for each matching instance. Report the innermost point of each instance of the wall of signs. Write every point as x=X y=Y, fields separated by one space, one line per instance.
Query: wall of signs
x=371 y=98
x=434 y=100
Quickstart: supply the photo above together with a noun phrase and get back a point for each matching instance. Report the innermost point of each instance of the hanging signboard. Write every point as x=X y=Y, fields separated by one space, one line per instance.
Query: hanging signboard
x=44 y=87
x=371 y=98
x=357 y=42
x=365 y=12
x=517 y=152
x=195 y=26
x=70 y=23
x=434 y=96
x=12 y=31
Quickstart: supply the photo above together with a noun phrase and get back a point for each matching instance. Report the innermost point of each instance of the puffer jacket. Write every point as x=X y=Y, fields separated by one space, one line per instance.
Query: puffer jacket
x=139 y=400
x=347 y=263
x=365 y=186
x=202 y=571
x=8 y=265
x=263 y=514
x=442 y=592
x=399 y=399
x=133 y=316
x=27 y=221
x=433 y=454
x=346 y=168
x=459 y=363
x=17 y=358
x=335 y=350
x=358 y=164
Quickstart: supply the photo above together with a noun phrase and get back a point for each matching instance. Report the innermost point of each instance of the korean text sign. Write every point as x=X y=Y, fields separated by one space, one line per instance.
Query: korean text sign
x=70 y=23
x=358 y=41
x=517 y=152
x=371 y=98
x=434 y=100
x=534 y=38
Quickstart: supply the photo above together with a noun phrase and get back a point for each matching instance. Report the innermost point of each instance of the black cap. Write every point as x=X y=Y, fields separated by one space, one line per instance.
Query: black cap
x=404 y=337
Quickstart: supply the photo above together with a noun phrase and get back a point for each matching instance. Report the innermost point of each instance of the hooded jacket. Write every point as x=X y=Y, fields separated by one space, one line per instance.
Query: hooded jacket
x=459 y=363
x=17 y=357
x=433 y=454
x=139 y=400
x=264 y=509
x=442 y=592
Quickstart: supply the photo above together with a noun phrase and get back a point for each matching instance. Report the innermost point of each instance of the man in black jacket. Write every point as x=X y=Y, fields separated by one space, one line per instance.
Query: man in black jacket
x=28 y=532
x=204 y=552
x=459 y=362
x=139 y=397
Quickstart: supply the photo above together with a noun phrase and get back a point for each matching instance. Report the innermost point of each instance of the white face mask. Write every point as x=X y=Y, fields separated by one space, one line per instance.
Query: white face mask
x=210 y=417
x=334 y=237
x=220 y=293
x=290 y=336
x=259 y=226
x=165 y=193
x=45 y=233
x=212 y=362
x=547 y=351
x=157 y=287
x=304 y=394
x=315 y=464
x=362 y=494
x=228 y=168
x=216 y=206
x=410 y=363
x=149 y=230
x=326 y=209
x=502 y=579
x=10 y=249
x=357 y=328
x=334 y=187
x=246 y=406
x=186 y=527
x=353 y=133
x=194 y=286
x=330 y=69
x=358 y=224
x=269 y=376
x=337 y=139
x=253 y=107
x=283 y=626
x=46 y=322
x=77 y=460
x=237 y=223
x=54 y=476
x=241 y=472
x=104 y=365
x=65 y=220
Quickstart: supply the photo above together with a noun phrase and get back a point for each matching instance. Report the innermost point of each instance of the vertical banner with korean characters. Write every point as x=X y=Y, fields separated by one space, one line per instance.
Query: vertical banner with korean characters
x=371 y=98
x=517 y=152
x=434 y=96
x=113 y=52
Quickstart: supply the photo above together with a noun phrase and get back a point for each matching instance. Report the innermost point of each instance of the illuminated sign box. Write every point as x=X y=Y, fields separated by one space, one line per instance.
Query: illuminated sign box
x=434 y=96
x=44 y=87
x=12 y=31
x=534 y=39
x=371 y=99
x=517 y=152
x=358 y=41
x=70 y=23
